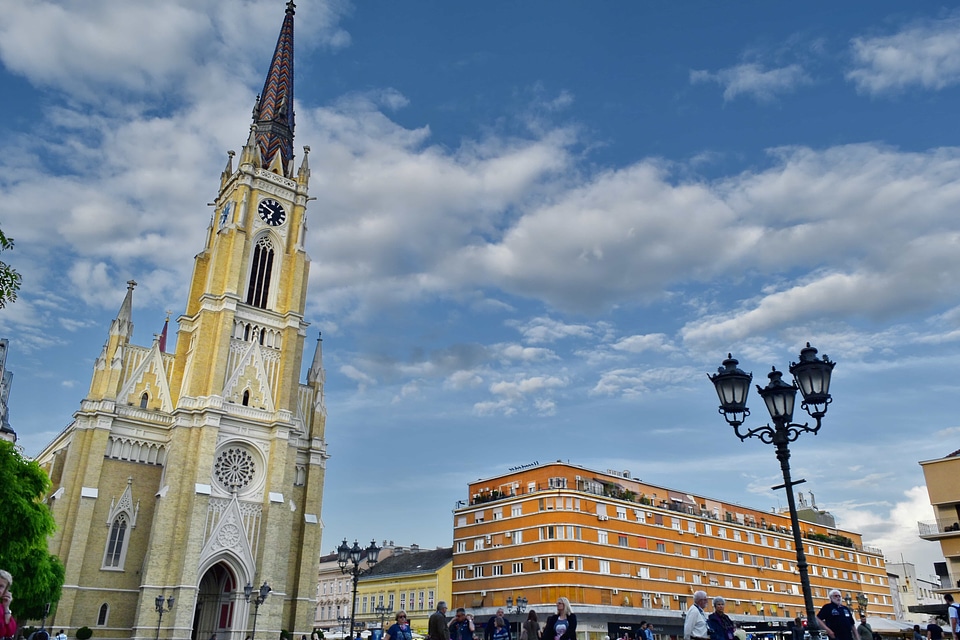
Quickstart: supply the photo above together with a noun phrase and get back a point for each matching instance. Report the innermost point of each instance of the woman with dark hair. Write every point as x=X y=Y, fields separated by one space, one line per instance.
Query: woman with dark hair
x=563 y=625
x=531 y=627
x=719 y=624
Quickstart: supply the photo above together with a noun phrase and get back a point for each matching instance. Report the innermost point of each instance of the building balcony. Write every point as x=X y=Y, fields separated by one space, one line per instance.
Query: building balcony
x=939 y=529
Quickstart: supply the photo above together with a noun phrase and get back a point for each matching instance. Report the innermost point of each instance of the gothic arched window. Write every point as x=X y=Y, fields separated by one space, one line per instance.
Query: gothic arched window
x=143 y=400
x=246 y=398
x=117 y=542
x=261 y=269
x=102 y=616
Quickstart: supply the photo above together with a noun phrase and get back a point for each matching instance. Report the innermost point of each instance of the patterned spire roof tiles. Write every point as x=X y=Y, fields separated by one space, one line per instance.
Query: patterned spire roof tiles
x=273 y=114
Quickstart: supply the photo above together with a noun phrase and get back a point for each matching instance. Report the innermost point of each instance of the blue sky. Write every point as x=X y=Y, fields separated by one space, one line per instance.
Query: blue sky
x=537 y=226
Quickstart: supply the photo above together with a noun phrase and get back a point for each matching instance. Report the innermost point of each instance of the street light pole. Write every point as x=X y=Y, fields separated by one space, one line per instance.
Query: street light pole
x=521 y=605
x=258 y=599
x=812 y=379
x=355 y=555
x=862 y=603
x=382 y=611
x=158 y=604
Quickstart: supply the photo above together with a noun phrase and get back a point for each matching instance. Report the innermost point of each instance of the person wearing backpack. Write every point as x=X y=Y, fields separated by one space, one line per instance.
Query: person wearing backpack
x=953 y=611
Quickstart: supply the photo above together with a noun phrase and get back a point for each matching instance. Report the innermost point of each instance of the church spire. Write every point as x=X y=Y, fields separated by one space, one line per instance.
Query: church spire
x=273 y=111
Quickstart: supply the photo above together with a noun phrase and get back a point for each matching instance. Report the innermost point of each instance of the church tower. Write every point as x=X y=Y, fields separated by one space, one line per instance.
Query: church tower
x=196 y=473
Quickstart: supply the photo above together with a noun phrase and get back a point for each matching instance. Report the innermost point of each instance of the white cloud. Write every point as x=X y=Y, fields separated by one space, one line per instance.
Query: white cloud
x=925 y=54
x=753 y=80
x=363 y=380
x=634 y=382
x=640 y=343
x=543 y=329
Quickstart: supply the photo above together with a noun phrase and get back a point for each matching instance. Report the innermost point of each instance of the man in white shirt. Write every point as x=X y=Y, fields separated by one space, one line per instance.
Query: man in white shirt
x=695 y=624
x=952 y=612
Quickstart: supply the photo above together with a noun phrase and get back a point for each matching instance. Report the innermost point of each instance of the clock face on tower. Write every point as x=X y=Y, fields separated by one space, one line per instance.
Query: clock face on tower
x=272 y=212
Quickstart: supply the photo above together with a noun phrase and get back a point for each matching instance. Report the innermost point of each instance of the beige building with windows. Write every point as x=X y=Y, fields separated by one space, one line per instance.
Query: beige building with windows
x=190 y=474
x=621 y=549
x=942 y=478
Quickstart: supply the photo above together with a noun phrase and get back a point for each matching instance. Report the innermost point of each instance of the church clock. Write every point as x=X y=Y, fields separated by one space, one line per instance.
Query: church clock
x=271 y=212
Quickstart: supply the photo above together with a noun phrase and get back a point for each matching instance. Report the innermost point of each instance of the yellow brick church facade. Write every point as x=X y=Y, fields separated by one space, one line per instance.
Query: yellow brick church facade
x=192 y=474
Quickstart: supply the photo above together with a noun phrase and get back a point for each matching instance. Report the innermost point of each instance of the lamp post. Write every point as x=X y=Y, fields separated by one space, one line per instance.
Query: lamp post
x=382 y=611
x=812 y=378
x=158 y=603
x=347 y=555
x=342 y=620
x=521 y=605
x=862 y=603
x=259 y=597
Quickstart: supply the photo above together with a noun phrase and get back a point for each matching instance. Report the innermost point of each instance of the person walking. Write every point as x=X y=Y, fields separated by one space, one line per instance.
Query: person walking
x=836 y=618
x=462 y=627
x=563 y=624
x=8 y=626
x=531 y=627
x=437 y=624
x=953 y=613
x=863 y=629
x=400 y=630
x=695 y=623
x=934 y=630
x=719 y=624
x=489 y=628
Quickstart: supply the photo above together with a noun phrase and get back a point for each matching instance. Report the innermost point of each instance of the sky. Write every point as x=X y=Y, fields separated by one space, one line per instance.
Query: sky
x=537 y=226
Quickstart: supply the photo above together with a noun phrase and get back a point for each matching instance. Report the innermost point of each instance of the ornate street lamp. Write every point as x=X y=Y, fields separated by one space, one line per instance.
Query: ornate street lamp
x=347 y=555
x=862 y=603
x=158 y=604
x=521 y=605
x=259 y=597
x=382 y=611
x=812 y=378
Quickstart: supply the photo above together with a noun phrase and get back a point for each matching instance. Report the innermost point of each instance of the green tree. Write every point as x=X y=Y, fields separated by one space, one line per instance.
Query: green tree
x=9 y=278
x=25 y=523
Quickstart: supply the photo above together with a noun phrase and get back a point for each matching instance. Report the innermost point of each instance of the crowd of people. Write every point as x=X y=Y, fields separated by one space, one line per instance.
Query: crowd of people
x=560 y=626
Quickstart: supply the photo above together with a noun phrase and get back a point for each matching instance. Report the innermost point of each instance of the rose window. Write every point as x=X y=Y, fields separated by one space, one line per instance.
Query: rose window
x=234 y=469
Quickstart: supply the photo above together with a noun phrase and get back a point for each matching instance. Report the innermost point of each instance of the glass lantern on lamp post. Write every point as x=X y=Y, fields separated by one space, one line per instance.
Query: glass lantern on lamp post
x=812 y=379
x=158 y=604
x=346 y=556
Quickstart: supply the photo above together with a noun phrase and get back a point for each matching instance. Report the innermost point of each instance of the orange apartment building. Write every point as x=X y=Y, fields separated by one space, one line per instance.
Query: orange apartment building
x=623 y=550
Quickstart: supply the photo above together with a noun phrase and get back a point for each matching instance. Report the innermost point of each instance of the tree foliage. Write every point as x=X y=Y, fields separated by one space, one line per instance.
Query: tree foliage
x=9 y=278
x=25 y=523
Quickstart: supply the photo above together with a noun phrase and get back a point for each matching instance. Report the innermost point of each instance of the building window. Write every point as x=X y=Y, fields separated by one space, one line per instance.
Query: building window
x=662 y=547
x=517 y=567
x=461 y=521
x=461 y=548
x=498 y=513
x=403 y=596
x=622 y=541
x=430 y=596
x=117 y=542
x=364 y=610
x=516 y=510
x=605 y=566
x=558 y=483
x=478 y=544
x=260 y=272
x=518 y=536
x=548 y=564
x=143 y=400
x=497 y=570
x=102 y=616
x=478 y=571
x=420 y=601
x=622 y=513
x=602 y=537
x=461 y=575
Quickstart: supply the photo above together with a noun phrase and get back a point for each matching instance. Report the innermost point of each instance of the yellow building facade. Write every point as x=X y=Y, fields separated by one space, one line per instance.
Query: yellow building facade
x=194 y=473
x=412 y=581
x=616 y=545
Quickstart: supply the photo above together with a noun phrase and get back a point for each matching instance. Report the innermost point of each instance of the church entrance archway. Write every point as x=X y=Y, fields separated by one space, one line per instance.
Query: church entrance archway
x=216 y=614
